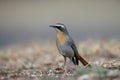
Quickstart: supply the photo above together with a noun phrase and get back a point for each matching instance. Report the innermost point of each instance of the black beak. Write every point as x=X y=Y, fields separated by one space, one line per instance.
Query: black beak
x=53 y=26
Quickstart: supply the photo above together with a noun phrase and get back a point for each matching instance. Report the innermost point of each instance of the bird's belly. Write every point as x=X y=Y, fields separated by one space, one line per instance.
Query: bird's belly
x=66 y=50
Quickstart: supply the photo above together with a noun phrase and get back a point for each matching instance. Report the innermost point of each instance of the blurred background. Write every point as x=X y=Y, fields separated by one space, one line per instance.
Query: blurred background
x=28 y=43
x=25 y=20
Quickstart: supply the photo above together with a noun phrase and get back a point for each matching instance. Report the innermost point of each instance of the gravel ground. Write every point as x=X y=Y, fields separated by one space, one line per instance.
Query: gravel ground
x=35 y=61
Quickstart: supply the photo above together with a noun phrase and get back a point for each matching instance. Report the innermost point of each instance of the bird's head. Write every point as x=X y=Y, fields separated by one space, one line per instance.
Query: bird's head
x=59 y=27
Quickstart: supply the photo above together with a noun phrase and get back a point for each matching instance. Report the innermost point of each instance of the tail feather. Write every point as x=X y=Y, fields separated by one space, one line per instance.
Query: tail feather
x=82 y=60
x=78 y=57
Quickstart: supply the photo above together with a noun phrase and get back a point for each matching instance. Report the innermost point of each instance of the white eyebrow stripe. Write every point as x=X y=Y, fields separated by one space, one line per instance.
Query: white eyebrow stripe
x=61 y=26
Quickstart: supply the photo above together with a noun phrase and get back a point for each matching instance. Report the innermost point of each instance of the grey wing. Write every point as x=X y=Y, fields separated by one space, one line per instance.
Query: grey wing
x=74 y=48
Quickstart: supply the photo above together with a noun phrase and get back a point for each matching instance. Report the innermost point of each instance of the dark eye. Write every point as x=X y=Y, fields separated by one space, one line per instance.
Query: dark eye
x=60 y=28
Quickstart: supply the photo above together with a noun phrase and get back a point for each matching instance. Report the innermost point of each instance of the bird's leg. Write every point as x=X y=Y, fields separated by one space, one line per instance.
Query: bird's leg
x=64 y=62
x=73 y=60
x=64 y=68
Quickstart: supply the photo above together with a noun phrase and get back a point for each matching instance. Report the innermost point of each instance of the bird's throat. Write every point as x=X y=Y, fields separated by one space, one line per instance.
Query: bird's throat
x=60 y=36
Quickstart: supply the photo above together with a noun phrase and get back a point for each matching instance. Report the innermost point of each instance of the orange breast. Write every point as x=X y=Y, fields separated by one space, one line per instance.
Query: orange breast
x=60 y=36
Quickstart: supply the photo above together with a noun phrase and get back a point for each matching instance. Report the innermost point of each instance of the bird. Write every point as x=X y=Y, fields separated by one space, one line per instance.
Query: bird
x=66 y=46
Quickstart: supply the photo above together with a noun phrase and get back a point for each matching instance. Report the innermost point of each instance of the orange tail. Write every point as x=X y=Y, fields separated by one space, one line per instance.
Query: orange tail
x=82 y=60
